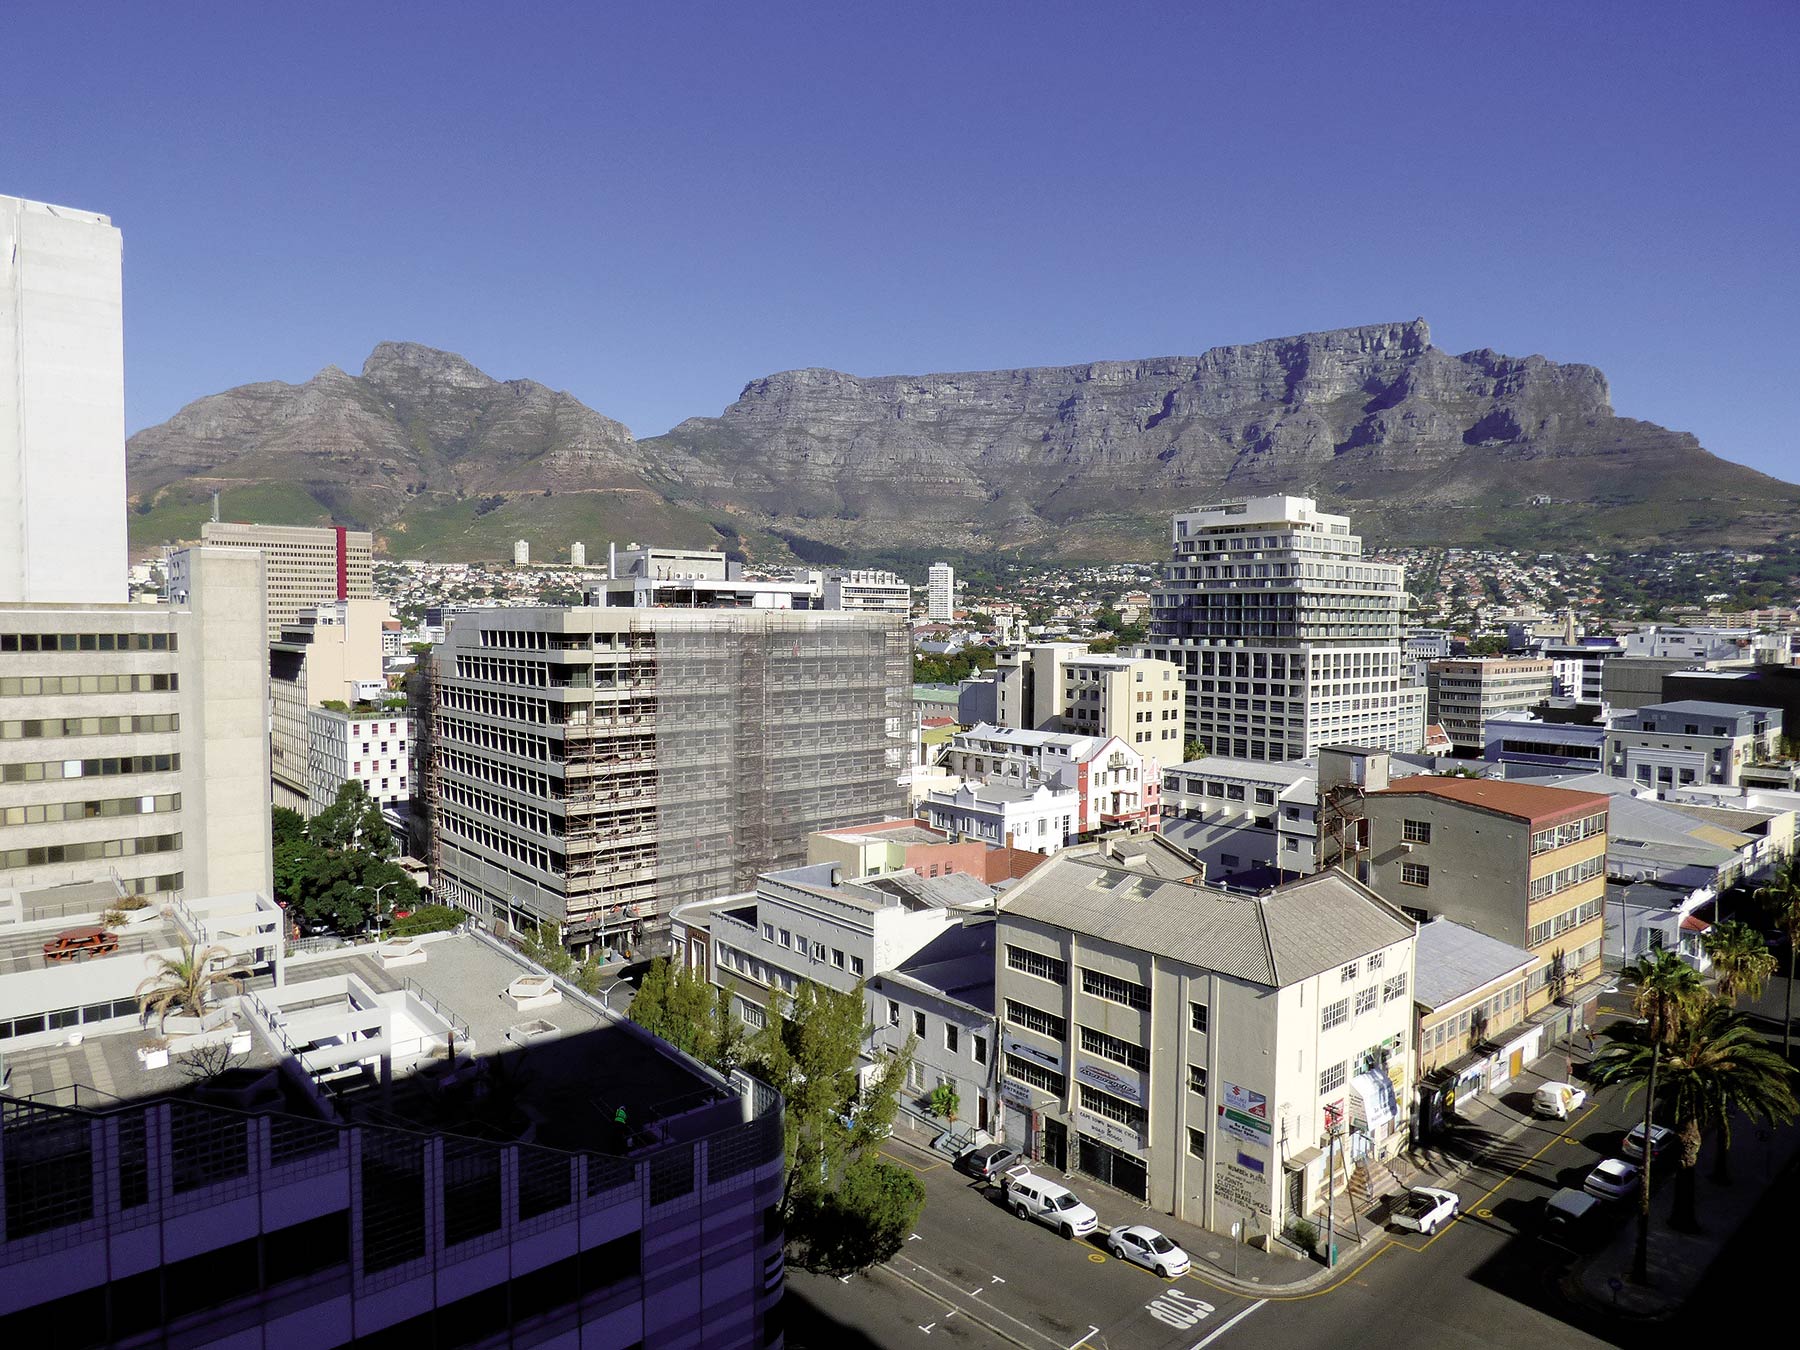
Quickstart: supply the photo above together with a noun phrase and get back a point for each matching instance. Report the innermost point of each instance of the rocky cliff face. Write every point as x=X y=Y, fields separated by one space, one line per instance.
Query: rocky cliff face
x=1076 y=460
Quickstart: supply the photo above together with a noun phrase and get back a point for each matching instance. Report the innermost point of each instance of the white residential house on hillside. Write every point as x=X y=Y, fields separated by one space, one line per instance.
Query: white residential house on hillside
x=1040 y=819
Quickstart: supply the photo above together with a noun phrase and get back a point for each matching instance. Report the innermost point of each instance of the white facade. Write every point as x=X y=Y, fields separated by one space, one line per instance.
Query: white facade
x=578 y=554
x=371 y=748
x=1038 y=819
x=1114 y=784
x=1289 y=639
x=880 y=592
x=1236 y=814
x=521 y=553
x=940 y=593
x=62 y=406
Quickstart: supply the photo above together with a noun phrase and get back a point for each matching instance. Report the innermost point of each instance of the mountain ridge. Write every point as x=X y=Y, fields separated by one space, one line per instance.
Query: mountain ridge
x=1072 y=461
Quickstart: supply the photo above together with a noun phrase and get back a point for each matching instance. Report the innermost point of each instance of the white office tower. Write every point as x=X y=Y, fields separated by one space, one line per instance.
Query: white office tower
x=521 y=553
x=1289 y=640
x=578 y=555
x=62 y=407
x=940 y=593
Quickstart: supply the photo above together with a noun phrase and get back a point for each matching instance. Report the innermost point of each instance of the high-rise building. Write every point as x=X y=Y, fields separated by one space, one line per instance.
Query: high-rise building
x=578 y=554
x=588 y=769
x=1289 y=638
x=521 y=552
x=307 y=565
x=940 y=593
x=62 y=406
x=133 y=739
x=331 y=653
x=1465 y=691
x=1062 y=686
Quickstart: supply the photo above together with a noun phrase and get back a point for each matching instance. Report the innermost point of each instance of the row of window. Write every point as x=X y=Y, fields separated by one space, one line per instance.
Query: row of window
x=489 y=670
x=1037 y=1075
x=498 y=841
x=47 y=728
x=1558 y=924
x=1129 y=1114
x=88 y=852
x=494 y=807
x=508 y=707
x=49 y=812
x=46 y=770
x=1117 y=1050
x=1570 y=832
x=1564 y=877
x=527 y=781
x=1348 y=971
x=978 y=1045
x=28 y=686
x=1036 y=963
x=1488 y=1013
x=87 y=642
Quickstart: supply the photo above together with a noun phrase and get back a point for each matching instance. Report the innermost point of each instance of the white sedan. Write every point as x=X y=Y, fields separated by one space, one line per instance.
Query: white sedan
x=1614 y=1179
x=1150 y=1249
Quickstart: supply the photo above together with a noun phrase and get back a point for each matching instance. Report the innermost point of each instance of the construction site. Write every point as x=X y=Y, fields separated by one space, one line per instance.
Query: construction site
x=586 y=770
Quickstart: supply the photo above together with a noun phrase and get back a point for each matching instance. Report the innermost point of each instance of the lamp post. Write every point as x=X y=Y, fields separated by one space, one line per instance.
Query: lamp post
x=375 y=906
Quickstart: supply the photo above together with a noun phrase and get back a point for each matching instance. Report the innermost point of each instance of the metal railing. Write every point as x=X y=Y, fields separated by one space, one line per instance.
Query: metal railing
x=460 y=1027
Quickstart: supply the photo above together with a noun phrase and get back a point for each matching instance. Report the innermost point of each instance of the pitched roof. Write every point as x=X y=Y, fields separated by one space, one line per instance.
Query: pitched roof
x=1451 y=961
x=1289 y=934
x=1504 y=797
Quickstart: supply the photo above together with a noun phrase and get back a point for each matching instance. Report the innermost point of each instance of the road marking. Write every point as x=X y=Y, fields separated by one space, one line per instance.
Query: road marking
x=1179 y=1309
x=843 y=1279
x=986 y=1308
x=1084 y=1340
x=1098 y=1258
x=996 y=1280
x=1484 y=1213
x=1224 y=1327
x=915 y=1238
x=924 y=1327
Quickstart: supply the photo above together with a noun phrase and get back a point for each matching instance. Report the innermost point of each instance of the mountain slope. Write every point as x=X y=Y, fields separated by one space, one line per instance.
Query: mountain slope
x=1075 y=461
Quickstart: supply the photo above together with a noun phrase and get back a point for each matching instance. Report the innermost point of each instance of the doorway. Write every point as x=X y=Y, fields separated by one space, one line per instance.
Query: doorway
x=1056 y=1145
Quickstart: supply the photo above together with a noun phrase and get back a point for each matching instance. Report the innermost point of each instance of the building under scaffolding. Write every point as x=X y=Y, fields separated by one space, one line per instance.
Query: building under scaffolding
x=588 y=769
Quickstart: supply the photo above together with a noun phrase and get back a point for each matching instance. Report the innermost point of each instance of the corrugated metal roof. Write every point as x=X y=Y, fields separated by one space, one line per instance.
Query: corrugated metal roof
x=1522 y=801
x=1293 y=932
x=1452 y=961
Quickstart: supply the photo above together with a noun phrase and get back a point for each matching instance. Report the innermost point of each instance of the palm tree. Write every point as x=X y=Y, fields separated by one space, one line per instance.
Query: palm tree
x=1742 y=962
x=181 y=982
x=1780 y=898
x=1667 y=995
x=1716 y=1064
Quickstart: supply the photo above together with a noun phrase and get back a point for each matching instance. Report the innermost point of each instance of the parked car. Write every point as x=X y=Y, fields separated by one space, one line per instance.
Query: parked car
x=1614 y=1179
x=1558 y=1101
x=1572 y=1217
x=1148 y=1248
x=1426 y=1209
x=1033 y=1197
x=986 y=1162
x=1661 y=1136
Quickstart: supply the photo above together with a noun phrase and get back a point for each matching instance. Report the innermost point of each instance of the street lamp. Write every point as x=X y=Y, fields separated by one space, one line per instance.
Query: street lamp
x=606 y=993
x=375 y=907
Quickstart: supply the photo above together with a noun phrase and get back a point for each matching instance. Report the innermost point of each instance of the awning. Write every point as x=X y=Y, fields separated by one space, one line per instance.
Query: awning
x=1304 y=1158
x=1372 y=1102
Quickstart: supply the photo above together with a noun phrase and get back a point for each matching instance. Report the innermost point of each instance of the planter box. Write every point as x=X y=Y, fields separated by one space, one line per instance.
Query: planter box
x=533 y=991
x=134 y=917
x=401 y=952
x=153 y=1059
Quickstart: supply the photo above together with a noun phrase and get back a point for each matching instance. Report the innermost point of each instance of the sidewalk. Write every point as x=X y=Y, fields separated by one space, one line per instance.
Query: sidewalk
x=1679 y=1261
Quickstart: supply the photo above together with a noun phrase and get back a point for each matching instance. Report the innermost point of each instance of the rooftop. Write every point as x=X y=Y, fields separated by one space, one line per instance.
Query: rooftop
x=1276 y=939
x=1521 y=801
x=1451 y=962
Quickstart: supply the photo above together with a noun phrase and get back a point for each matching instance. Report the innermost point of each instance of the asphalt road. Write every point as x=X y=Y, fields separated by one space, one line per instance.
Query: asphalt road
x=1489 y=1279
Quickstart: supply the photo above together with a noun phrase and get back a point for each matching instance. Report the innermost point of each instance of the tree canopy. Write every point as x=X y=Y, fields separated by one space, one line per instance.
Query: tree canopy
x=336 y=868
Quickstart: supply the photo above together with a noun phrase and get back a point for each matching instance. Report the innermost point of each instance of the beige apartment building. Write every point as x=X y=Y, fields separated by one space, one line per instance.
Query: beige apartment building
x=1062 y=686
x=308 y=565
x=1519 y=862
x=133 y=745
x=1462 y=693
x=330 y=653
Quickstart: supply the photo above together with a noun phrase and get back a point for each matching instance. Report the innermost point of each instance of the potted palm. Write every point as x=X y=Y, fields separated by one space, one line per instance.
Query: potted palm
x=180 y=986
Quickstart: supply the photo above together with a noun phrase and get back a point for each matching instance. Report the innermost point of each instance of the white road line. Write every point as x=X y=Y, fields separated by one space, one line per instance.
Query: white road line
x=987 y=1308
x=924 y=1328
x=1084 y=1340
x=1221 y=1330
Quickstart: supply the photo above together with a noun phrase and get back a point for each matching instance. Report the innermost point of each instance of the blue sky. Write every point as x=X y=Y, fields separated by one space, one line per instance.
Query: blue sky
x=651 y=205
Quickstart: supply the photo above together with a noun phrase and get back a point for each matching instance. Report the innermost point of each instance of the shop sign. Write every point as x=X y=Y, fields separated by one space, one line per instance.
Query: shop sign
x=1109 y=1132
x=1243 y=1129
x=1237 y=1185
x=1015 y=1093
x=1108 y=1081
x=1249 y=1103
x=1049 y=1059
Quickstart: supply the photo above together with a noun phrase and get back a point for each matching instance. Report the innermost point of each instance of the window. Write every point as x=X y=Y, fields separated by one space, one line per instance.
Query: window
x=915 y=1074
x=856 y=965
x=1416 y=831
x=1036 y=963
x=1115 y=990
x=1375 y=960
x=1197 y=1017
x=1029 y=1071
x=1113 y=1108
x=1197 y=1079
x=1365 y=1000
x=768 y=932
x=1394 y=988
x=918 y=1023
x=787 y=939
x=1331 y=1079
x=950 y=1037
x=1118 y=1051
x=1335 y=1014
x=1035 y=1019
x=837 y=958
x=1415 y=874
x=893 y=1013
x=978 y=1047
x=1196 y=1142
x=1347 y=973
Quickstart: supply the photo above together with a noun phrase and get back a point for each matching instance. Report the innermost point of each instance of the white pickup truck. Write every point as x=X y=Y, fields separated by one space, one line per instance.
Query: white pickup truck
x=1425 y=1210
x=1033 y=1197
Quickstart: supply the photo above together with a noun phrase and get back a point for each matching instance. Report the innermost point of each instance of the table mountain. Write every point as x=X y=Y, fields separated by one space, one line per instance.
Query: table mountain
x=1076 y=461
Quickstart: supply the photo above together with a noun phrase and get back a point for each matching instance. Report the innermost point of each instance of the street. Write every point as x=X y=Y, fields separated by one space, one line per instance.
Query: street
x=974 y=1275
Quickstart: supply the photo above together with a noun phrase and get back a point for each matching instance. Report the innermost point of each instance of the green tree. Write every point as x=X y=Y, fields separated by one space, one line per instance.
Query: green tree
x=1780 y=898
x=337 y=869
x=1716 y=1064
x=1666 y=994
x=836 y=1180
x=680 y=1006
x=285 y=826
x=1192 y=750
x=181 y=982
x=353 y=821
x=1742 y=962
x=945 y=1103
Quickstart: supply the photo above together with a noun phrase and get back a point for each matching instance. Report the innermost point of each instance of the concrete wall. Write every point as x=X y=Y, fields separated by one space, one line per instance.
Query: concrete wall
x=62 y=406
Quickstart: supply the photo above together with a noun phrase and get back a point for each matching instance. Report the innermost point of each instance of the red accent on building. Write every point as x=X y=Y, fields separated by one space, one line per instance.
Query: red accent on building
x=343 y=563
